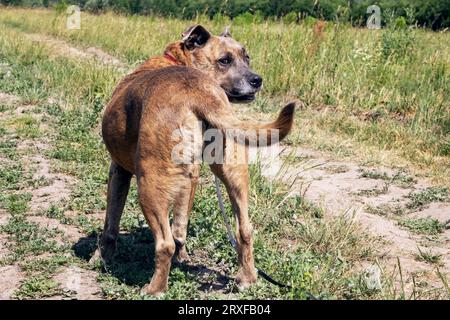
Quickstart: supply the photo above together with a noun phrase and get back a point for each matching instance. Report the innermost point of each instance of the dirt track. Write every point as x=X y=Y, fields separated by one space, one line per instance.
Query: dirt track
x=376 y=197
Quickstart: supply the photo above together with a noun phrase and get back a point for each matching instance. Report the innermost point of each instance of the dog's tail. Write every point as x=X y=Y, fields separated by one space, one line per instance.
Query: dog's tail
x=252 y=133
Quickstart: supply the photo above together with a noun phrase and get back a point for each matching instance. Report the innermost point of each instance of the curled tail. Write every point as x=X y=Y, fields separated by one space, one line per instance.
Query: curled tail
x=283 y=124
x=253 y=134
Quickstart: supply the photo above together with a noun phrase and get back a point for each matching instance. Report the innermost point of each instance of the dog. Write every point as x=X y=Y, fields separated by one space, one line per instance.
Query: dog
x=194 y=81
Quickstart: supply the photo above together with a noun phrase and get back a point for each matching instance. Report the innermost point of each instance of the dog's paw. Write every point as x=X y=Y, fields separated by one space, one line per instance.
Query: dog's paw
x=100 y=259
x=245 y=279
x=96 y=258
x=181 y=256
x=153 y=290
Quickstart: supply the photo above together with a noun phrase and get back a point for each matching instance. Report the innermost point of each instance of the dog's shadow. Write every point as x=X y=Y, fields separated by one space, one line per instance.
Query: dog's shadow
x=134 y=261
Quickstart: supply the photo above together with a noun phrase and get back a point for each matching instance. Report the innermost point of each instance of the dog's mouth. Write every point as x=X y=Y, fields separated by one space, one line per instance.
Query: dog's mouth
x=240 y=98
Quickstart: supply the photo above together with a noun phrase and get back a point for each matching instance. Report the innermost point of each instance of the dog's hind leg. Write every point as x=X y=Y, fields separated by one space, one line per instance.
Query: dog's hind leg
x=181 y=213
x=235 y=178
x=154 y=195
x=118 y=186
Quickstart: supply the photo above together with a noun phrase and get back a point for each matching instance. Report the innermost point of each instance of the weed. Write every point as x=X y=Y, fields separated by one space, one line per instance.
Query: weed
x=336 y=169
x=294 y=241
x=386 y=209
x=25 y=126
x=11 y=174
x=37 y=288
x=15 y=203
x=432 y=194
x=428 y=257
x=374 y=192
x=429 y=226
x=400 y=179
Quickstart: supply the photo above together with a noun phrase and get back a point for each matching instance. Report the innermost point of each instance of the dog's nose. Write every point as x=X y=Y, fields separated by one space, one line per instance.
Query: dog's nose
x=256 y=81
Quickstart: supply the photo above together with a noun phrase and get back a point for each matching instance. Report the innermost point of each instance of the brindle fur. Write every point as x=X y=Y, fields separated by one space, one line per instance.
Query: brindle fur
x=147 y=106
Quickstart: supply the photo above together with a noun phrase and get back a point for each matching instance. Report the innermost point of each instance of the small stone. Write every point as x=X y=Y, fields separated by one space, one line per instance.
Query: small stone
x=372 y=277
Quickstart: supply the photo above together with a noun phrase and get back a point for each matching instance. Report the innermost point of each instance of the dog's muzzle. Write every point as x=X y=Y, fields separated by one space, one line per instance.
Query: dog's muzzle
x=251 y=85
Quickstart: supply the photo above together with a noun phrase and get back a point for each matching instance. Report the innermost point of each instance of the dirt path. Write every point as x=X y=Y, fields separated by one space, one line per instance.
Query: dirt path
x=47 y=188
x=381 y=199
x=62 y=48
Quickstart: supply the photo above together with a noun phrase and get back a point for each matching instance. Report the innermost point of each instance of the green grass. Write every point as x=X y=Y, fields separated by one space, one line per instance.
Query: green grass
x=428 y=226
x=10 y=176
x=432 y=194
x=400 y=178
x=37 y=288
x=387 y=209
x=428 y=257
x=8 y=148
x=25 y=126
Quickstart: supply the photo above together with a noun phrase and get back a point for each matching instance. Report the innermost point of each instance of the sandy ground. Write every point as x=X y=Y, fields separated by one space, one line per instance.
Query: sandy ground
x=340 y=188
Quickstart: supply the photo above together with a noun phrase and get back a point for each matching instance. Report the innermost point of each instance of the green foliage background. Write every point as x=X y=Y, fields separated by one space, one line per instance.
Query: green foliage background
x=434 y=14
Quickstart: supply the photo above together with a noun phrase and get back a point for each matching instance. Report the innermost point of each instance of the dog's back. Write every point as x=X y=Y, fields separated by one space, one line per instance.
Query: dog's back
x=153 y=104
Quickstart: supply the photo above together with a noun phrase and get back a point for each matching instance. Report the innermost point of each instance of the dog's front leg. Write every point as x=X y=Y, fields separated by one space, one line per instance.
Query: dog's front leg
x=235 y=178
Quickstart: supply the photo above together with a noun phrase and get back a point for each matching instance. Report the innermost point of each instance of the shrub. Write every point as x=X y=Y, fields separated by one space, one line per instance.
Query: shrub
x=96 y=6
x=248 y=18
x=61 y=7
x=291 y=17
x=309 y=21
x=400 y=23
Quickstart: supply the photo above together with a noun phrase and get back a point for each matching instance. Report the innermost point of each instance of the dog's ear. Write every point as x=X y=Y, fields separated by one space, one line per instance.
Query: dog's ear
x=226 y=33
x=195 y=37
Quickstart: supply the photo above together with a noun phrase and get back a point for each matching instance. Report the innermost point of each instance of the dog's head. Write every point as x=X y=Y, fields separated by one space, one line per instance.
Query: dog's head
x=224 y=59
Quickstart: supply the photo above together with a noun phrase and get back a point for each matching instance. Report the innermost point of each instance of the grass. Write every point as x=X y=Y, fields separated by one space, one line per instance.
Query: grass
x=374 y=192
x=428 y=226
x=386 y=209
x=294 y=242
x=37 y=288
x=417 y=200
x=400 y=178
x=428 y=257
x=432 y=194
x=25 y=126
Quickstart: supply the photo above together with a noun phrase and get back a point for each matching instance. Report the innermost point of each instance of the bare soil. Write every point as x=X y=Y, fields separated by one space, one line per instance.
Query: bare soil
x=340 y=189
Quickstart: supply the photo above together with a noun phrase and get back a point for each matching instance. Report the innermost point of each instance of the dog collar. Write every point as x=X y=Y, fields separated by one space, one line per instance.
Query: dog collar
x=172 y=59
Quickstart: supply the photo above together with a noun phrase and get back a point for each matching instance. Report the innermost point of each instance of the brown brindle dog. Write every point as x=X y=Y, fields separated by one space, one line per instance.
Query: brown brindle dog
x=194 y=81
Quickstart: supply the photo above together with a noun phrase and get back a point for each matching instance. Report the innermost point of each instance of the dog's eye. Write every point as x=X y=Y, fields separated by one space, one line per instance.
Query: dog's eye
x=245 y=54
x=225 y=61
